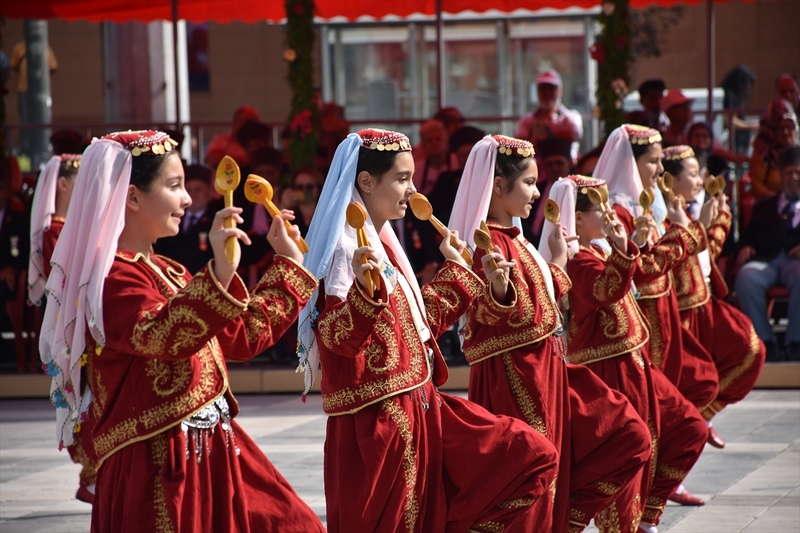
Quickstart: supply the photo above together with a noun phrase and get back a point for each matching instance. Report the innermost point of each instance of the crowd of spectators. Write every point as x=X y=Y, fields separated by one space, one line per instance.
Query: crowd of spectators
x=768 y=253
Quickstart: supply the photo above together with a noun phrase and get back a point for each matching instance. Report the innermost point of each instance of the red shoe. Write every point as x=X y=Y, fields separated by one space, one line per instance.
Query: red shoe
x=686 y=498
x=84 y=495
x=714 y=439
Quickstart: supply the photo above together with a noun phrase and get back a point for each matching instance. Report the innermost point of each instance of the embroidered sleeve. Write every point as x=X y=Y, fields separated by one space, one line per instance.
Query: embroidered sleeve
x=271 y=310
x=695 y=242
x=140 y=320
x=605 y=283
x=659 y=259
x=345 y=326
x=518 y=306
x=449 y=294
x=561 y=282
x=717 y=233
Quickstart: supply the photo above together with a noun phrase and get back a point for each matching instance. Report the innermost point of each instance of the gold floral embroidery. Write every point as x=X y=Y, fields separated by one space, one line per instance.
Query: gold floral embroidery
x=612 y=320
x=737 y=371
x=650 y=310
x=652 y=510
x=690 y=285
x=411 y=508
x=671 y=473
x=464 y=277
x=491 y=527
x=346 y=400
x=553 y=488
x=163 y=521
x=654 y=445
x=516 y=504
x=607 y=488
x=577 y=516
x=285 y=271
x=181 y=326
x=607 y=520
x=636 y=511
x=203 y=289
x=360 y=302
x=440 y=297
x=168 y=377
x=336 y=326
x=374 y=353
x=608 y=284
x=522 y=397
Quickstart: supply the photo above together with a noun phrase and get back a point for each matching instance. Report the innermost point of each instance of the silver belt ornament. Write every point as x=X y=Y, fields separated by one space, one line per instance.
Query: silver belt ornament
x=200 y=428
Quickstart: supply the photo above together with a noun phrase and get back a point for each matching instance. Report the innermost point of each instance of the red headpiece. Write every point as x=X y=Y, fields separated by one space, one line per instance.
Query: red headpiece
x=384 y=140
x=679 y=152
x=70 y=160
x=511 y=146
x=144 y=141
x=585 y=181
x=642 y=134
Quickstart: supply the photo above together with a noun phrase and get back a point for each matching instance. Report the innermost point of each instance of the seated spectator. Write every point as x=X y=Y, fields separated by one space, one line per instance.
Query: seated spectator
x=438 y=158
x=190 y=247
x=253 y=135
x=227 y=143
x=701 y=139
x=452 y=119
x=770 y=255
x=786 y=88
x=678 y=108
x=333 y=128
x=651 y=93
x=778 y=130
x=555 y=161
x=302 y=195
x=551 y=118
x=14 y=243
x=738 y=85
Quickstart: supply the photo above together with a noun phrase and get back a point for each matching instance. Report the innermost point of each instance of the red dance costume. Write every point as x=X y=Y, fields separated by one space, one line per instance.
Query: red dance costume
x=399 y=455
x=518 y=369
x=606 y=334
x=160 y=384
x=49 y=239
x=672 y=348
x=725 y=331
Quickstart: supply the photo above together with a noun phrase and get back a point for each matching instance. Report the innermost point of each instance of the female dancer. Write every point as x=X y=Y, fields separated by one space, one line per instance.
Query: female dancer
x=606 y=334
x=512 y=340
x=154 y=341
x=48 y=211
x=631 y=162
x=399 y=455
x=725 y=331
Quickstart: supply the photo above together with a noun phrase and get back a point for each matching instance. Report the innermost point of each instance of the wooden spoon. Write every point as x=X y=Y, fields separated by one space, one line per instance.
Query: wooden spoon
x=483 y=240
x=228 y=178
x=551 y=211
x=356 y=216
x=423 y=210
x=665 y=183
x=646 y=200
x=596 y=197
x=259 y=191
x=714 y=185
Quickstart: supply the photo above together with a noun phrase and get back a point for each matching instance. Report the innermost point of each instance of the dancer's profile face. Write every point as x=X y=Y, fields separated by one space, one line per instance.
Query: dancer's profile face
x=386 y=198
x=163 y=206
x=517 y=199
x=689 y=183
x=650 y=166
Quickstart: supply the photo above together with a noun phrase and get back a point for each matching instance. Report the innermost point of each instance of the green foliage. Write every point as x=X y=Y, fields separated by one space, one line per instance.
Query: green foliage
x=612 y=51
x=303 y=117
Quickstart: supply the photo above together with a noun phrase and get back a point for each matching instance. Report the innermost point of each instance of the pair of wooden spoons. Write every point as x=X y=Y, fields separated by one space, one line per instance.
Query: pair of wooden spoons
x=356 y=217
x=665 y=184
x=423 y=210
x=714 y=185
x=259 y=191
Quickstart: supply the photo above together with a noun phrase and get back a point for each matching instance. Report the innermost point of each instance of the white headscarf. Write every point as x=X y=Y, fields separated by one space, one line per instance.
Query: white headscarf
x=564 y=192
x=332 y=242
x=81 y=261
x=44 y=206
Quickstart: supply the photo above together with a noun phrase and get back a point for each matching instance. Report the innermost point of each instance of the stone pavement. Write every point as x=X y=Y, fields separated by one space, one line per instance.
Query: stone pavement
x=752 y=486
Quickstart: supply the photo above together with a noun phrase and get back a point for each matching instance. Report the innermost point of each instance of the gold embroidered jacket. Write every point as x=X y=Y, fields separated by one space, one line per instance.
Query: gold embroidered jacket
x=690 y=284
x=605 y=320
x=530 y=314
x=168 y=335
x=656 y=261
x=370 y=348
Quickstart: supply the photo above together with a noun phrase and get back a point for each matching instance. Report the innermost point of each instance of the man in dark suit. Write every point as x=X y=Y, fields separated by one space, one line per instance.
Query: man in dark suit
x=770 y=255
x=190 y=247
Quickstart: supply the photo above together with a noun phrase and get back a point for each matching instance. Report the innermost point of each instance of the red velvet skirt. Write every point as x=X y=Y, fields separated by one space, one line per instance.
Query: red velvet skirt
x=396 y=467
x=151 y=486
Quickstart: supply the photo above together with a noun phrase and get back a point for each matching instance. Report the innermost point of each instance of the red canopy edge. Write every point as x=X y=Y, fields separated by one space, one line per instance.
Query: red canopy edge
x=225 y=11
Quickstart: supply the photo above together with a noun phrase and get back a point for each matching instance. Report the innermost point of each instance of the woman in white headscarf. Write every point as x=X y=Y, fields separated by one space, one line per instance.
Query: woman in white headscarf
x=399 y=455
x=152 y=341
x=512 y=340
x=630 y=163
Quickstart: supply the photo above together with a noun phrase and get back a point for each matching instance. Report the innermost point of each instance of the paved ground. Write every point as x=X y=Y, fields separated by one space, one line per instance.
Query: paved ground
x=753 y=485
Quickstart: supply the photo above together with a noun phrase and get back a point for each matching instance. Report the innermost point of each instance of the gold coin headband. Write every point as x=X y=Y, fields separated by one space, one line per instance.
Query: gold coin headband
x=513 y=146
x=144 y=141
x=678 y=152
x=384 y=140
x=585 y=182
x=642 y=134
x=69 y=161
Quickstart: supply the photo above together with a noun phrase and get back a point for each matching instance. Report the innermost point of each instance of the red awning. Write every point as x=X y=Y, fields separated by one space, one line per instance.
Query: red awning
x=273 y=10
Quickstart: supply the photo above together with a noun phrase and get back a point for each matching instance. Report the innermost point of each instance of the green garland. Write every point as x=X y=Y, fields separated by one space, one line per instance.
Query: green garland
x=612 y=51
x=303 y=117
